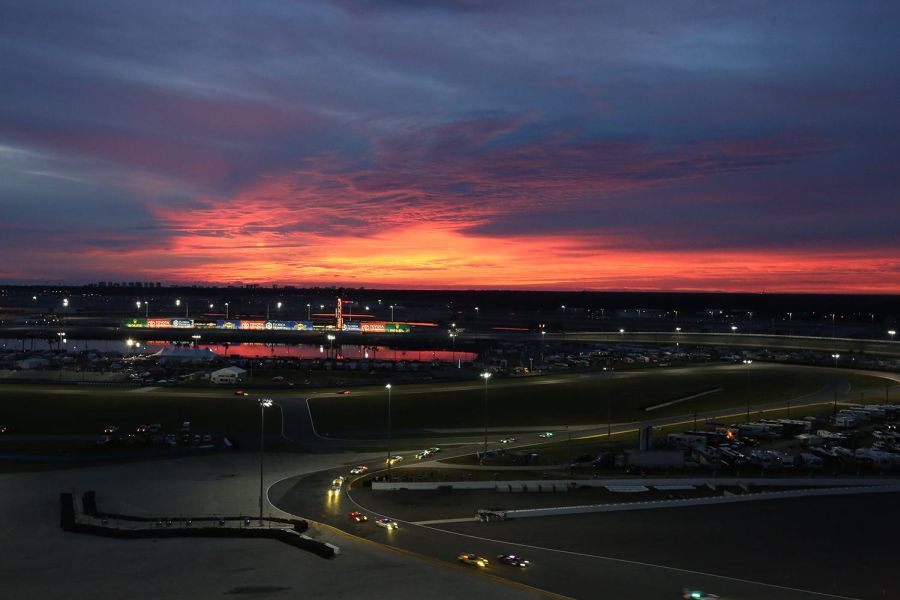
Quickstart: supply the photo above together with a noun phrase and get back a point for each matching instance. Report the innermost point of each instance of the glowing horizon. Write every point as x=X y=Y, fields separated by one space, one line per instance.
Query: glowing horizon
x=362 y=146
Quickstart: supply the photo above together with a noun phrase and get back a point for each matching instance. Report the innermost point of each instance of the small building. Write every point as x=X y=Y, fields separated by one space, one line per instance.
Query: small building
x=228 y=375
x=32 y=363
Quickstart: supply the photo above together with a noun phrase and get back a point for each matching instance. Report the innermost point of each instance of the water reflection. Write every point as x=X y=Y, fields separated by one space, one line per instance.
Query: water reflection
x=249 y=350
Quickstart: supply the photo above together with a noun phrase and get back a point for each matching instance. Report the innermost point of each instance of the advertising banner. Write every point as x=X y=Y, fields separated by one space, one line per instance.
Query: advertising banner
x=159 y=323
x=281 y=325
x=135 y=323
x=372 y=327
x=351 y=326
x=256 y=325
x=183 y=323
x=396 y=328
x=303 y=326
x=228 y=324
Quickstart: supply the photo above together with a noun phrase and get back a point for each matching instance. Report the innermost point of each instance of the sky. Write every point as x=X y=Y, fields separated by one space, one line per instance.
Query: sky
x=652 y=145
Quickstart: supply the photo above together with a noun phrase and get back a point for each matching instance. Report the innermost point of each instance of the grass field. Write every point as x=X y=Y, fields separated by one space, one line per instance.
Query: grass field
x=561 y=400
x=39 y=410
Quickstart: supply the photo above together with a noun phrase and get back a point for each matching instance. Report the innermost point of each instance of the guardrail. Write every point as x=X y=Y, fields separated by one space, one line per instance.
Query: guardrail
x=562 y=485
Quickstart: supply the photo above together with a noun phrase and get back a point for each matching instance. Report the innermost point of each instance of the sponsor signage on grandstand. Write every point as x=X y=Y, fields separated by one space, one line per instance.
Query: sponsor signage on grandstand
x=289 y=325
x=351 y=326
x=157 y=323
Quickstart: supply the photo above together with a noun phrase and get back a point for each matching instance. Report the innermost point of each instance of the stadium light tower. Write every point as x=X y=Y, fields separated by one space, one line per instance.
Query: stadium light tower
x=486 y=375
x=388 y=387
x=892 y=333
x=748 y=362
x=264 y=403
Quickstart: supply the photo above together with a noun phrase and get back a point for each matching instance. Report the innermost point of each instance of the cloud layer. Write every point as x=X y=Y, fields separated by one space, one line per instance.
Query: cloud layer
x=573 y=145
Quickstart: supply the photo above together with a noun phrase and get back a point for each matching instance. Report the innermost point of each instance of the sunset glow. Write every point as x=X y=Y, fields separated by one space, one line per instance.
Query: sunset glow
x=545 y=149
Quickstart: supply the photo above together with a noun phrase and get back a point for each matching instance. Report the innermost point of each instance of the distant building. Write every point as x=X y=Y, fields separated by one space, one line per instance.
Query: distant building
x=32 y=363
x=228 y=375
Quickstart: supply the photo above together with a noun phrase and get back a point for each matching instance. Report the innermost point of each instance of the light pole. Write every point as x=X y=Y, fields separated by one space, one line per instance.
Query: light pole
x=307 y=311
x=790 y=323
x=748 y=362
x=892 y=333
x=392 y=313
x=264 y=403
x=388 y=387
x=486 y=375
x=834 y=403
x=453 y=341
x=226 y=311
x=331 y=343
x=178 y=303
x=277 y=305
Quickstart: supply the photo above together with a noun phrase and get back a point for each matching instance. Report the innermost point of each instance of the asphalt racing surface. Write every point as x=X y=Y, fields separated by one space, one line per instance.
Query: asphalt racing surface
x=779 y=550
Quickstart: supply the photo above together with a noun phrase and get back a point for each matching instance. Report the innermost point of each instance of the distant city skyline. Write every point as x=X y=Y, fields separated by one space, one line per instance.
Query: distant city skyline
x=652 y=146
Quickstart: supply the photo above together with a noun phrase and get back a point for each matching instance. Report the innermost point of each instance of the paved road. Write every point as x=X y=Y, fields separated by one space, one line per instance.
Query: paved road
x=563 y=567
x=558 y=569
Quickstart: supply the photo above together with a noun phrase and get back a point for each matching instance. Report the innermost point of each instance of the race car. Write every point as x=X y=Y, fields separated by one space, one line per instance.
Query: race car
x=434 y=449
x=507 y=440
x=689 y=594
x=394 y=459
x=387 y=523
x=512 y=560
x=358 y=517
x=359 y=470
x=472 y=559
x=424 y=454
x=546 y=434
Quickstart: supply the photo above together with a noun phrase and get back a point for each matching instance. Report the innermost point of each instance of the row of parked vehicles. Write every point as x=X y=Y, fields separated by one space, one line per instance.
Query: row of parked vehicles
x=153 y=434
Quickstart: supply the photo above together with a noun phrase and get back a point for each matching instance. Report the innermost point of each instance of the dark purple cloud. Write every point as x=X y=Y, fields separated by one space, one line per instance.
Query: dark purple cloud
x=645 y=127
